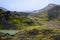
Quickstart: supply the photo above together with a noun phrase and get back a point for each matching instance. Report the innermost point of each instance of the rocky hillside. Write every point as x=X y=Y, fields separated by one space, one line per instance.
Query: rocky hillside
x=50 y=12
x=14 y=20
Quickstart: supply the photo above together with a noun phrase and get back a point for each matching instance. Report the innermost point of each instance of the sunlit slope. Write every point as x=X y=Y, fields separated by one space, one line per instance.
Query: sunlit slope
x=50 y=12
x=15 y=20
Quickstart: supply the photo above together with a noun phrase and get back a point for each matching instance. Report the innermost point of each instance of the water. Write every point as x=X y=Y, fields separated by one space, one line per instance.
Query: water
x=11 y=32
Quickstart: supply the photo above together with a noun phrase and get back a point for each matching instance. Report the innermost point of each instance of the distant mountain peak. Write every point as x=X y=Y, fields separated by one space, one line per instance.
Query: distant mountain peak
x=52 y=4
x=48 y=7
x=3 y=9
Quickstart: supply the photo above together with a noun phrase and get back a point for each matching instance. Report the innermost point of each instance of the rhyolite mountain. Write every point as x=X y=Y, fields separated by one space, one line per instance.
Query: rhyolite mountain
x=48 y=7
x=51 y=11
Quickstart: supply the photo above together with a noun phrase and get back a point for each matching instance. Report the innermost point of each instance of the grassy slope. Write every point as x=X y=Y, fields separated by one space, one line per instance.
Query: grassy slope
x=22 y=24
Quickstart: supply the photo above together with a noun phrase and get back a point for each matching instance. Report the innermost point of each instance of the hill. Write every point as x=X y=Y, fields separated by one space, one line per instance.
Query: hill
x=50 y=12
x=14 y=20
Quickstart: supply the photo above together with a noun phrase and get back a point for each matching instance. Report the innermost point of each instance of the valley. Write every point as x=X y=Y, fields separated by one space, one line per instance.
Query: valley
x=36 y=25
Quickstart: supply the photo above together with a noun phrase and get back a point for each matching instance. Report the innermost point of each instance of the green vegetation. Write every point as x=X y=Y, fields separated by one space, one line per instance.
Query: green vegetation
x=39 y=33
x=43 y=25
x=52 y=14
x=15 y=20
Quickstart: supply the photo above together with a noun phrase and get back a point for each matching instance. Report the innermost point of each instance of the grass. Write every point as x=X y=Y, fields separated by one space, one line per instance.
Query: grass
x=39 y=36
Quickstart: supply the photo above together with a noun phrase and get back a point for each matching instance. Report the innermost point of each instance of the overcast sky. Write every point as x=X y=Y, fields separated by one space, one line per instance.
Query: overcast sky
x=26 y=5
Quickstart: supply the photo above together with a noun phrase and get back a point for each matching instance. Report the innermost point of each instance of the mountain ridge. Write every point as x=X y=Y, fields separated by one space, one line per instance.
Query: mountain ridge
x=48 y=7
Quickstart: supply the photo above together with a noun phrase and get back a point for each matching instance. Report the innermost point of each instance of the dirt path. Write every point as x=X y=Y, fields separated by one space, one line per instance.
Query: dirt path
x=52 y=24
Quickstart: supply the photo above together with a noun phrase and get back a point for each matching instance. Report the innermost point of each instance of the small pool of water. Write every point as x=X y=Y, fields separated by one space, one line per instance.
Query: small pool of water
x=11 y=32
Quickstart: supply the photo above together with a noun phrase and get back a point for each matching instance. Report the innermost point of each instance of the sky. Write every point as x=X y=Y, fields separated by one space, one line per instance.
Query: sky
x=26 y=5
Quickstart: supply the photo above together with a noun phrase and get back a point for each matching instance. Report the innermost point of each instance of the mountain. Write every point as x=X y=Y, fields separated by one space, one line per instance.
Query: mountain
x=48 y=7
x=51 y=11
x=3 y=9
